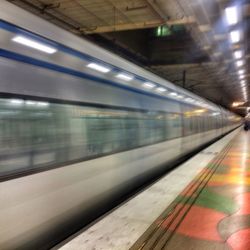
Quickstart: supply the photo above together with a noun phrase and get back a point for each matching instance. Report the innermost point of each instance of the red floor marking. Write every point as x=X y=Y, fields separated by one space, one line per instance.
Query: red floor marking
x=240 y=240
x=196 y=223
x=244 y=202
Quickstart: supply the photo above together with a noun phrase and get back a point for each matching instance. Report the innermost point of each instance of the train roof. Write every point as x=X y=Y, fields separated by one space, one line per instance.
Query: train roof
x=21 y=18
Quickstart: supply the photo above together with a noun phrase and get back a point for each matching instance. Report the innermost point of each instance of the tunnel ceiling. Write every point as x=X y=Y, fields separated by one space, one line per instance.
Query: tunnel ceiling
x=184 y=41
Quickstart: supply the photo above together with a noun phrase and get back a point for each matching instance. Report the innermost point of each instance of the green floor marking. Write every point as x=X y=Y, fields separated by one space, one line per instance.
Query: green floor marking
x=212 y=200
x=217 y=202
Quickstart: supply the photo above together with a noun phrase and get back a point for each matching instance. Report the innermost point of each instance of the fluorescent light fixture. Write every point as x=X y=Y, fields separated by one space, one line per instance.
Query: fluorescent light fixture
x=160 y=89
x=237 y=104
x=180 y=96
x=34 y=44
x=98 y=67
x=17 y=101
x=241 y=72
x=124 y=77
x=235 y=36
x=30 y=102
x=232 y=15
x=149 y=85
x=43 y=104
x=241 y=76
x=239 y=63
x=189 y=99
x=173 y=94
x=238 y=54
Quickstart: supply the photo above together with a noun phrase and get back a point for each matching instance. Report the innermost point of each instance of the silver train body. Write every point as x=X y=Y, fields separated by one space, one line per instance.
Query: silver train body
x=74 y=139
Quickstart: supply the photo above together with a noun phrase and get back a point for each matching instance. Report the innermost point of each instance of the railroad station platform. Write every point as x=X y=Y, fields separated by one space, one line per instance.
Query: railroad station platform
x=202 y=204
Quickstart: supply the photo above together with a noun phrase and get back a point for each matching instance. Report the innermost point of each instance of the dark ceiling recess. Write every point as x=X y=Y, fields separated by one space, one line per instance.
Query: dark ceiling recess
x=185 y=41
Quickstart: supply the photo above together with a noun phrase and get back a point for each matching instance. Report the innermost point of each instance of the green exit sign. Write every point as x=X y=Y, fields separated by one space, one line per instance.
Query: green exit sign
x=163 y=31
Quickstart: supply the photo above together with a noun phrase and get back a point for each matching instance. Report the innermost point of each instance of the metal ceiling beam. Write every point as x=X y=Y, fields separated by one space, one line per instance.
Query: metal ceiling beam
x=60 y=19
x=153 y=5
x=138 y=25
x=117 y=8
x=186 y=65
x=81 y=6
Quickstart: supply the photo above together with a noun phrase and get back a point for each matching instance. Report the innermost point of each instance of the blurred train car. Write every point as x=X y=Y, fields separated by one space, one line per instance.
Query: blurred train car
x=81 y=128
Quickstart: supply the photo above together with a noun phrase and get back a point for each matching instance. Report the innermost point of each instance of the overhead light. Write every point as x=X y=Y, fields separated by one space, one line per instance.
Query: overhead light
x=232 y=15
x=189 y=99
x=34 y=44
x=242 y=76
x=44 y=104
x=180 y=96
x=235 y=36
x=148 y=85
x=98 y=67
x=238 y=54
x=241 y=72
x=124 y=77
x=17 y=101
x=30 y=102
x=173 y=94
x=239 y=63
x=237 y=104
x=160 y=89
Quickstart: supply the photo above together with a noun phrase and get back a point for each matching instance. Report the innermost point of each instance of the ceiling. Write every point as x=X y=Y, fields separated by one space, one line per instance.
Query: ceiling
x=184 y=41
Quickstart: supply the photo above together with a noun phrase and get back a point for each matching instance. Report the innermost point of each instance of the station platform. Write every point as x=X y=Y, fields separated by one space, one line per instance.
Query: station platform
x=202 y=204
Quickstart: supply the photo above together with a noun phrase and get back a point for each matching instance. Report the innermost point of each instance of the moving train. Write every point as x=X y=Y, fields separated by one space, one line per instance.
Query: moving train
x=81 y=128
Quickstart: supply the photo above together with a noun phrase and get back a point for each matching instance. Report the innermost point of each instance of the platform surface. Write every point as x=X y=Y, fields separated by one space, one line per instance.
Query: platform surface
x=213 y=212
x=210 y=213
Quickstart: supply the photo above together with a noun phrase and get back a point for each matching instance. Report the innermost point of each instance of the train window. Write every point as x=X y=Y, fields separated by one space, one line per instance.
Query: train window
x=188 y=125
x=173 y=126
x=37 y=136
